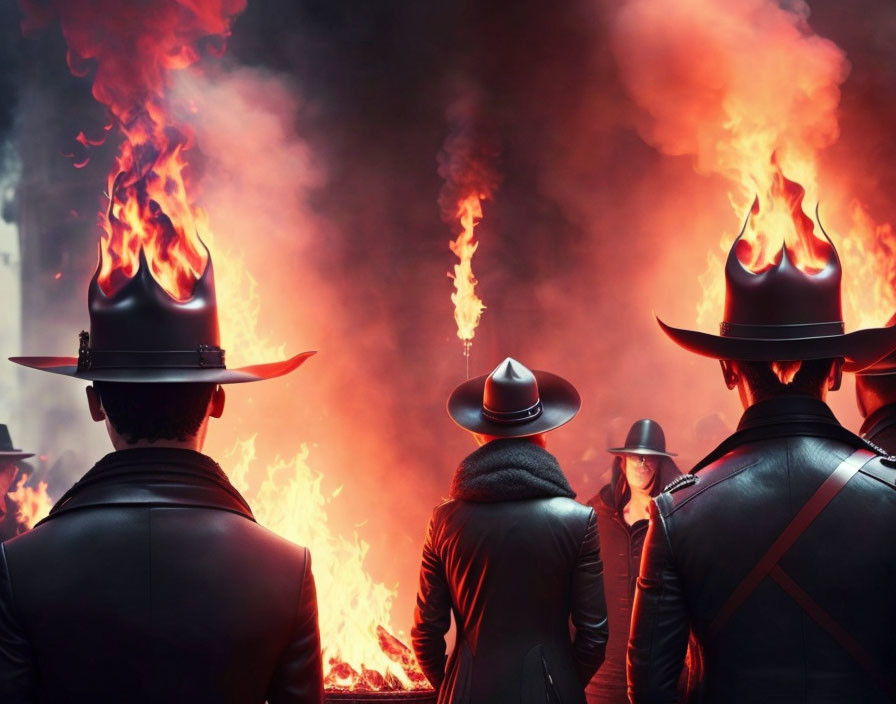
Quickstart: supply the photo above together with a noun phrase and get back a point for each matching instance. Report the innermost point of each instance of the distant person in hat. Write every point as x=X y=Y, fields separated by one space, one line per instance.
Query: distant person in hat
x=511 y=554
x=775 y=549
x=876 y=399
x=150 y=581
x=10 y=458
x=641 y=469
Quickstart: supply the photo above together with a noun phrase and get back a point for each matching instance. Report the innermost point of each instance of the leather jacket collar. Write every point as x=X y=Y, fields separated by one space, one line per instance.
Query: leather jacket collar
x=154 y=477
x=786 y=410
x=883 y=418
x=785 y=416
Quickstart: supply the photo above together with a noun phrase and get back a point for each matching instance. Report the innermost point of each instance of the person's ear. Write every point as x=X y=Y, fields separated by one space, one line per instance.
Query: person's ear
x=95 y=405
x=216 y=405
x=730 y=374
x=835 y=376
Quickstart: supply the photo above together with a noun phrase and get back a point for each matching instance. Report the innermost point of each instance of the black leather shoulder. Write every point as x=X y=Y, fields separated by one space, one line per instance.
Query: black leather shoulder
x=883 y=469
x=684 y=480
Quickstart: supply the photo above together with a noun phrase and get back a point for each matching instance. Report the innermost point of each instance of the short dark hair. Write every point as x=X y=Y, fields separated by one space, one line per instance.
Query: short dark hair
x=765 y=381
x=154 y=412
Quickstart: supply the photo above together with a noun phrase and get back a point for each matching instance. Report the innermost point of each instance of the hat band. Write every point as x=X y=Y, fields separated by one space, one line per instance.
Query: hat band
x=510 y=417
x=203 y=357
x=781 y=332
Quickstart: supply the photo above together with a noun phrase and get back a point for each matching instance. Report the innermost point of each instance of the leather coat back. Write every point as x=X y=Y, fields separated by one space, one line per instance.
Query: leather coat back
x=707 y=535
x=151 y=582
x=880 y=428
x=514 y=573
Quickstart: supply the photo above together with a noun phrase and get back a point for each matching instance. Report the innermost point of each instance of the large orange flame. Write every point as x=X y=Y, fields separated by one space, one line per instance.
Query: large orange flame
x=34 y=503
x=151 y=207
x=778 y=220
x=468 y=306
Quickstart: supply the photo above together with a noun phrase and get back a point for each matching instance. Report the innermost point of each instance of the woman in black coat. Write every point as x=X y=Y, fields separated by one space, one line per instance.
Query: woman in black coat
x=641 y=469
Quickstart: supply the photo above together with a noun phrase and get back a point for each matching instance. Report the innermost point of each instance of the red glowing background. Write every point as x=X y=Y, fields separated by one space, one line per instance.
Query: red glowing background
x=620 y=146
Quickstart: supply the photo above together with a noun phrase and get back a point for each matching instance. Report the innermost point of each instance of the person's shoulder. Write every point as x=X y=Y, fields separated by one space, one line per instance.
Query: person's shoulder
x=691 y=487
x=881 y=468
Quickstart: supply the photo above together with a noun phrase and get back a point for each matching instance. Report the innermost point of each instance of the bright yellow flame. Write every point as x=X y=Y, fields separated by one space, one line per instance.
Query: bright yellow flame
x=468 y=306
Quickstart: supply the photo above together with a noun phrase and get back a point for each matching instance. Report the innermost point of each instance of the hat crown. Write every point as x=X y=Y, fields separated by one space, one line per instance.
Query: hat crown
x=142 y=316
x=781 y=295
x=510 y=388
x=646 y=434
x=5 y=439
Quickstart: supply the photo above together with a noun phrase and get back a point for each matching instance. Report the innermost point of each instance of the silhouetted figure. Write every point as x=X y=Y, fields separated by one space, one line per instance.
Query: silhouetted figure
x=150 y=581
x=774 y=550
x=512 y=555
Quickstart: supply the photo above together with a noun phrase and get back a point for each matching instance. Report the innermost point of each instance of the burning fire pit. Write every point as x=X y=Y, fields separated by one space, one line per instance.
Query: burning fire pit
x=417 y=697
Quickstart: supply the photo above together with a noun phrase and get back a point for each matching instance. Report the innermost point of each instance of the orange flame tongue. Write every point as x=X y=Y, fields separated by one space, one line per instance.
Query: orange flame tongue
x=781 y=219
x=468 y=306
x=149 y=210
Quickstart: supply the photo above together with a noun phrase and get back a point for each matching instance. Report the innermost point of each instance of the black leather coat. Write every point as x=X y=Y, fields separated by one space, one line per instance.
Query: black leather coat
x=705 y=537
x=621 y=545
x=515 y=558
x=151 y=582
x=880 y=428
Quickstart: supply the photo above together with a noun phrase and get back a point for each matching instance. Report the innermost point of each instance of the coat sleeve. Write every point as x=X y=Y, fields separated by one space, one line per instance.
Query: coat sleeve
x=298 y=678
x=588 y=610
x=432 y=617
x=16 y=661
x=660 y=623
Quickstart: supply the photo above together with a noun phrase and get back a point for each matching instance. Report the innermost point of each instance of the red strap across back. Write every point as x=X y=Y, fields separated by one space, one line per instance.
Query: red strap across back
x=807 y=514
x=768 y=567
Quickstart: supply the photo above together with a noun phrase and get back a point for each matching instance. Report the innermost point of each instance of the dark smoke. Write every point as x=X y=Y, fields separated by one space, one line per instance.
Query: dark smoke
x=591 y=230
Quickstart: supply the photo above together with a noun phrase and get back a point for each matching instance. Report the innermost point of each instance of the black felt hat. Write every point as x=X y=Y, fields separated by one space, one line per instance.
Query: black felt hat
x=645 y=437
x=513 y=402
x=785 y=314
x=140 y=334
x=8 y=453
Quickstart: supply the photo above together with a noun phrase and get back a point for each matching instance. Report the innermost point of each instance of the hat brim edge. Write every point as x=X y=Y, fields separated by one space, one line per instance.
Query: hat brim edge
x=68 y=366
x=860 y=348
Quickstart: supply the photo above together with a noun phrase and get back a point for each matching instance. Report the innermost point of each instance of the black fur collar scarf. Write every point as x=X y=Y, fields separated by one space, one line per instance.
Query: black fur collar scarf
x=509 y=470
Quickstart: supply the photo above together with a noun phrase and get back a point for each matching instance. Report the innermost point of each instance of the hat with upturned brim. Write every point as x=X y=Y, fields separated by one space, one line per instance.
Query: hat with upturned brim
x=140 y=334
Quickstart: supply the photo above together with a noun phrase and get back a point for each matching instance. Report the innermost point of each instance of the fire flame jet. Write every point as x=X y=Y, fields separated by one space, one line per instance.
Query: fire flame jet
x=468 y=306
x=467 y=163
x=34 y=503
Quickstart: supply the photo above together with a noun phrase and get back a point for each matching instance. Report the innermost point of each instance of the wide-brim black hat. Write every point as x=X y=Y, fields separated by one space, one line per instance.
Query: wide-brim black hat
x=645 y=437
x=8 y=453
x=860 y=349
x=882 y=367
x=785 y=312
x=141 y=334
x=554 y=403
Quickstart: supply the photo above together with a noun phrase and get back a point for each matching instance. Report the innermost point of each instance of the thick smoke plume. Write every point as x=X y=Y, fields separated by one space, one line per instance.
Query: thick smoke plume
x=315 y=137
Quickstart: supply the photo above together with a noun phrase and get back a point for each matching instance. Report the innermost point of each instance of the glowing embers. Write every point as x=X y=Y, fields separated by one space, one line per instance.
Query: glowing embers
x=468 y=306
x=149 y=210
x=777 y=221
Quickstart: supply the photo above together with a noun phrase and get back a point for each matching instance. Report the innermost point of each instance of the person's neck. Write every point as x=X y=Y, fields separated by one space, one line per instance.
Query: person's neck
x=190 y=444
x=637 y=507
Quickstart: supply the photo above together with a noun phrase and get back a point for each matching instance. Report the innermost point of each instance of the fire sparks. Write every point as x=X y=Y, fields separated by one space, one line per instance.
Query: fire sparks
x=468 y=306
x=34 y=503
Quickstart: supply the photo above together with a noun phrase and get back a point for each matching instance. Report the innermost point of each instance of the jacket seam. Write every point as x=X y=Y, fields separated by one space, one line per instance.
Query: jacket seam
x=676 y=506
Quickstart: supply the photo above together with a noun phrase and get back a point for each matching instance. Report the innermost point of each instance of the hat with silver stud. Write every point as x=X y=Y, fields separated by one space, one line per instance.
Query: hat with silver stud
x=513 y=402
